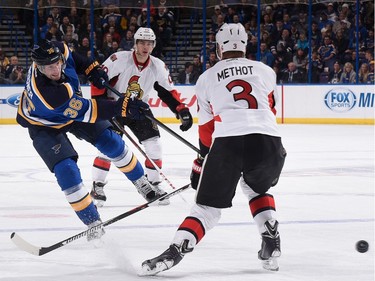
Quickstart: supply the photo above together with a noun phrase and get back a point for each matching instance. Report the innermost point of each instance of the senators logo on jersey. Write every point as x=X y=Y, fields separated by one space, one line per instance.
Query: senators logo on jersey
x=134 y=89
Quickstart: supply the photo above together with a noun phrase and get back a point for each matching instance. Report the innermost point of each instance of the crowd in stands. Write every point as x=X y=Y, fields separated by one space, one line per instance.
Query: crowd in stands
x=284 y=44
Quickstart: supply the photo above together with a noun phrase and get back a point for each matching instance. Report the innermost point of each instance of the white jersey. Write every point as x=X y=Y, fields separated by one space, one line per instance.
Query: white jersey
x=137 y=80
x=240 y=96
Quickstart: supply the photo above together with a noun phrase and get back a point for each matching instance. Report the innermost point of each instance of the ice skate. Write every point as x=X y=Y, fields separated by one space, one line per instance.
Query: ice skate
x=270 y=250
x=147 y=190
x=171 y=257
x=159 y=191
x=97 y=193
x=95 y=233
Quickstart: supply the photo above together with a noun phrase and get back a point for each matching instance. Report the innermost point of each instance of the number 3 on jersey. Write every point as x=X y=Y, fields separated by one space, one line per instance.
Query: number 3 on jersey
x=245 y=94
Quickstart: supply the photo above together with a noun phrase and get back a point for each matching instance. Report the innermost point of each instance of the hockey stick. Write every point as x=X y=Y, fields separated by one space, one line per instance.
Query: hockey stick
x=39 y=251
x=152 y=118
x=121 y=128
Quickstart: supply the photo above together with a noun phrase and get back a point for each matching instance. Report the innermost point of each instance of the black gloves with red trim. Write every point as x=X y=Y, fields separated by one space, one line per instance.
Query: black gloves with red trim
x=196 y=172
x=185 y=117
x=181 y=110
x=96 y=75
x=132 y=108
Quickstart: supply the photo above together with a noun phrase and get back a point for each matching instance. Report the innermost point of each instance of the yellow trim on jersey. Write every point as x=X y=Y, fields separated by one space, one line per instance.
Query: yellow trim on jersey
x=69 y=88
x=94 y=111
x=36 y=90
x=36 y=123
x=66 y=51
x=82 y=204
x=130 y=167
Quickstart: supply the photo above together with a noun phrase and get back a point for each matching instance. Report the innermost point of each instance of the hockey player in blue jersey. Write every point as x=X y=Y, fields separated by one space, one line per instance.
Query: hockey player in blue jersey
x=52 y=105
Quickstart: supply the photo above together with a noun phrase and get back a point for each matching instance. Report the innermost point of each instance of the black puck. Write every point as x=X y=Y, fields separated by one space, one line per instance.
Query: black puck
x=362 y=246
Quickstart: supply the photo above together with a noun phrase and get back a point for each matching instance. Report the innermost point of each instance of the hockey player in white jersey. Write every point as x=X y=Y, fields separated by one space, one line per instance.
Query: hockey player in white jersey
x=239 y=142
x=138 y=73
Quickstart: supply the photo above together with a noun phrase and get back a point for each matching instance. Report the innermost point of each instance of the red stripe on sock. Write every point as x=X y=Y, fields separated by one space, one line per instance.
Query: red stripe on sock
x=262 y=202
x=149 y=165
x=194 y=226
x=102 y=163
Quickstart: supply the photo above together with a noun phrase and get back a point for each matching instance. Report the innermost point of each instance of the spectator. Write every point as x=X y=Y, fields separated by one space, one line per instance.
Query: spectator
x=302 y=43
x=9 y=68
x=17 y=76
x=215 y=26
x=300 y=60
x=348 y=75
x=115 y=35
x=342 y=46
x=4 y=61
x=212 y=59
x=334 y=75
x=316 y=67
x=142 y=18
x=127 y=42
x=197 y=65
x=55 y=14
x=111 y=13
x=252 y=47
x=370 y=77
x=70 y=41
x=65 y=24
x=217 y=13
x=265 y=55
x=107 y=49
x=47 y=26
x=187 y=76
x=331 y=13
x=211 y=43
x=54 y=34
x=163 y=22
x=363 y=73
x=84 y=47
x=292 y=74
x=327 y=53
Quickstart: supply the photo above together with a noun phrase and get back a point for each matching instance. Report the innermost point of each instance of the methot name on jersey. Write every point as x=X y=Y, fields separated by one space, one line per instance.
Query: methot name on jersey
x=234 y=71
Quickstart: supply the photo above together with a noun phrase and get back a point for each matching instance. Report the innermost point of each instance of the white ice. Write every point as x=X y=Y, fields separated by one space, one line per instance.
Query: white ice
x=324 y=199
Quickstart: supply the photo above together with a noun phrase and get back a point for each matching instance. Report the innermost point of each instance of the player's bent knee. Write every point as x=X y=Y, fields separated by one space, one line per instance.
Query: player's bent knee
x=110 y=144
x=67 y=173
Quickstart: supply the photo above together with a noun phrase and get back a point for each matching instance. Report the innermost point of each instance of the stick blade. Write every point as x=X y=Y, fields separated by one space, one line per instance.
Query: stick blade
x=24 y=245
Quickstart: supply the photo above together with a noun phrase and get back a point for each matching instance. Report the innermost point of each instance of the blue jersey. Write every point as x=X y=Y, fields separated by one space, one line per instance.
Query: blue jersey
x=56 y=104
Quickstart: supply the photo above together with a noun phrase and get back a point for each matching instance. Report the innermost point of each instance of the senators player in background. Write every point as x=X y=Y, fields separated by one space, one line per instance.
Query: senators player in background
x=137 y=73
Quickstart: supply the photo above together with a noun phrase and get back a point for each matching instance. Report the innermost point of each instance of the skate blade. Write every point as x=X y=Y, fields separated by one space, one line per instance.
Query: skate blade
x=164 y=202
x=99 y=203
x=159 y=267
x=272 y=263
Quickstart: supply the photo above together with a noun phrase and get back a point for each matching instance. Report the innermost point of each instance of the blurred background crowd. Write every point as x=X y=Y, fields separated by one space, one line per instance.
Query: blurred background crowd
x=334 y=54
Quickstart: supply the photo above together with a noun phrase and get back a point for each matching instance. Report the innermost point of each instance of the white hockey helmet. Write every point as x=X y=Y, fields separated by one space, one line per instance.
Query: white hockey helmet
x=145 y=33
x=231 y=37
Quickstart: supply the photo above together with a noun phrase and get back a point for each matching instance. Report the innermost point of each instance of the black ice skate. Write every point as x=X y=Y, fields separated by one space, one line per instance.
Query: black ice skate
x=97 y=193
x=160 y=192
x=171 y=257
x=270 y=249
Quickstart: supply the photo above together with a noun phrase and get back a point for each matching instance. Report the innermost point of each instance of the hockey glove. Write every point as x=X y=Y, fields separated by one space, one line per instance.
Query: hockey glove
x=196 y=172
x=132 y=108
x=185 y=117
x=96 y=75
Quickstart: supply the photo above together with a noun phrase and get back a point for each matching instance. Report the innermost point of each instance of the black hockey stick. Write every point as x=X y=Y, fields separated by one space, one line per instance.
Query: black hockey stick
x=39 y=251
x=152 y=118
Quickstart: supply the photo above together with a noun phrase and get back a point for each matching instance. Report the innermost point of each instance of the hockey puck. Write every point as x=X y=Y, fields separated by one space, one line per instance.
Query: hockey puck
x=362 y=246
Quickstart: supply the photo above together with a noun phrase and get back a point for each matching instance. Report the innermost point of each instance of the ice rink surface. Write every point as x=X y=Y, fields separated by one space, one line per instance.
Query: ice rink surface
x=324 y=199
